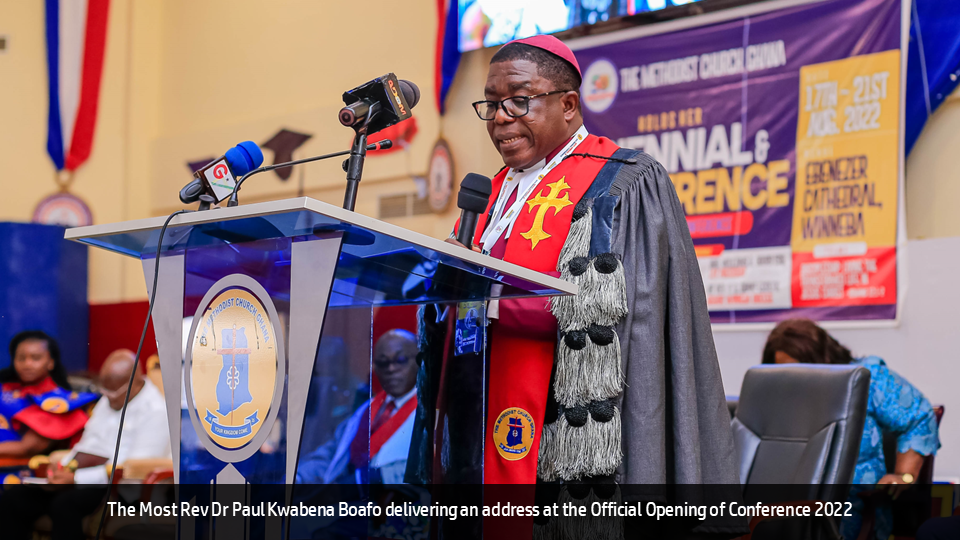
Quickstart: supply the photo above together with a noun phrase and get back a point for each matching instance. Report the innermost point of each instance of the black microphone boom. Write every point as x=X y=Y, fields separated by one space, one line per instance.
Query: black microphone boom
x=472 y=200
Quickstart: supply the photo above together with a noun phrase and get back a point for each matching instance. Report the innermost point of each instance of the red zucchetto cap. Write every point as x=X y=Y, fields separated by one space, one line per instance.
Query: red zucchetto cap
x=553 y=46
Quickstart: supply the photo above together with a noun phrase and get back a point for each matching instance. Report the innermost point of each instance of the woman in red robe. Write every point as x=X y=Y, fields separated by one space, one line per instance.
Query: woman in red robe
x=39 y=412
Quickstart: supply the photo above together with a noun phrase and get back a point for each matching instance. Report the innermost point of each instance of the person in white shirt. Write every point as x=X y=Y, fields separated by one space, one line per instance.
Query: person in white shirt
x=145 y=436
x=372 y=445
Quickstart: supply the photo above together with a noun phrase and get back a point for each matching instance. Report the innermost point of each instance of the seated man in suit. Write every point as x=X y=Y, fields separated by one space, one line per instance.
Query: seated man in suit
x=372 y=445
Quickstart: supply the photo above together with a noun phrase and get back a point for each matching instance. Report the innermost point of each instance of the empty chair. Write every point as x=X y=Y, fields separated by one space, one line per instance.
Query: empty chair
x=801 y=424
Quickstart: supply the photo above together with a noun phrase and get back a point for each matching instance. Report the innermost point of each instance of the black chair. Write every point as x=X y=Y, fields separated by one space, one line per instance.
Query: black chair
x=800 y=424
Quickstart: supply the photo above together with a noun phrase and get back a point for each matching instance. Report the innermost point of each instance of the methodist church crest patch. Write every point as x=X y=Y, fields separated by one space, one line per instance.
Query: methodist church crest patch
x=234 y=366
x=55 y=405
x=513 y=434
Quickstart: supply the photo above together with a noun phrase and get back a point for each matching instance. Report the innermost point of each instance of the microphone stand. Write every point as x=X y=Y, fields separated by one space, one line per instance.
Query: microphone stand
x=379 y=145
x=354 y=169
x=355 y=162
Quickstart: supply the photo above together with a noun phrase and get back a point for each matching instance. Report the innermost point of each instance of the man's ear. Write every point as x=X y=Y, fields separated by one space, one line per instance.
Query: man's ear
x=571 y=105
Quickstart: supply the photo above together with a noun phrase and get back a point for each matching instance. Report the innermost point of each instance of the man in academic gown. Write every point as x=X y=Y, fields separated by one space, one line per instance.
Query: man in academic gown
x=621 y=382
x=372 y=445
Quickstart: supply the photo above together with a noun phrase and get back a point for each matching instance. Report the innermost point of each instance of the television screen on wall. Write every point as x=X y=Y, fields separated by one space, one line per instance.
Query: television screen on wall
x=486 y=23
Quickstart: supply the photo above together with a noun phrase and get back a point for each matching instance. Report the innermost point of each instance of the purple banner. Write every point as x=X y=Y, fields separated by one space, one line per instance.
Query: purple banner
x=781 y=134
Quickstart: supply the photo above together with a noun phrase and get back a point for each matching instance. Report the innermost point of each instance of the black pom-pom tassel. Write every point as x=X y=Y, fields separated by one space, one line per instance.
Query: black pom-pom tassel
x=605 y=263
x=579 y=265
x=580 y=210
x=575 y=339
x=601 y=335
x=602 y=411
x=576 y=416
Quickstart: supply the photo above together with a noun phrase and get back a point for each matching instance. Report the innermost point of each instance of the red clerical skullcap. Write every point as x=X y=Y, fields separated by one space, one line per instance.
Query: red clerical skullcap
x=553 y=46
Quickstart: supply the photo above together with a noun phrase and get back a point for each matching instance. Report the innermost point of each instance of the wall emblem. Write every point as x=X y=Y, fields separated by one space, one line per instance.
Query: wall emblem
x=63 y=209
x=440 y=177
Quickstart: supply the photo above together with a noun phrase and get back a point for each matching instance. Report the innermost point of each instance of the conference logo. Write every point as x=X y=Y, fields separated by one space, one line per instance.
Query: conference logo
x=234 y=365
x=513 y=434
x=600 y=83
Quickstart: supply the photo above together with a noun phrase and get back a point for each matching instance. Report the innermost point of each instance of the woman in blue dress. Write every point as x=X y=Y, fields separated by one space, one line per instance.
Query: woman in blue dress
x=895 y=406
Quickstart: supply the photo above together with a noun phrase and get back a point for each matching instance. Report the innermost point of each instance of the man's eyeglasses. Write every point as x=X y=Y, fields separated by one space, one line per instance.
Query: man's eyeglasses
x=515 y=106
x=384 y=363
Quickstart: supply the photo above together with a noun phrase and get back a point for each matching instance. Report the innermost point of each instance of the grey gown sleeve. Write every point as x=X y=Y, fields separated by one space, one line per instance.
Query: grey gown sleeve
x=676 y=428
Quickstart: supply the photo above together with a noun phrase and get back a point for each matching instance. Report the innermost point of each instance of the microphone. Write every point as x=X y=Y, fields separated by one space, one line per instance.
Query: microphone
x=234 y=201
x=218 y=178
x=379 y=103
x=472 y=200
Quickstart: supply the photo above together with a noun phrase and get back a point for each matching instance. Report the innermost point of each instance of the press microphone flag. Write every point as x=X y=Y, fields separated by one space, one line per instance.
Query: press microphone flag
x=219 y=177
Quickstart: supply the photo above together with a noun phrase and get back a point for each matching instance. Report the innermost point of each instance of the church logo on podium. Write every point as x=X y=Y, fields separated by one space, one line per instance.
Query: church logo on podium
x=513 y=434
x=234 y=367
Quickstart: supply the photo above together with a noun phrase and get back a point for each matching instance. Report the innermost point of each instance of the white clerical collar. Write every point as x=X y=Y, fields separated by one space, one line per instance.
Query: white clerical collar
x=538 y=165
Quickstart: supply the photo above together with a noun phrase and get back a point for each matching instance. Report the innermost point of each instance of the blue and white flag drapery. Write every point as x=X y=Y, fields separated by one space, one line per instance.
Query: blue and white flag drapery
x=76 y=32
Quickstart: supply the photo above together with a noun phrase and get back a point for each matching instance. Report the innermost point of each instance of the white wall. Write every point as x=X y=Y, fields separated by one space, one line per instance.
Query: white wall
x=923 y=348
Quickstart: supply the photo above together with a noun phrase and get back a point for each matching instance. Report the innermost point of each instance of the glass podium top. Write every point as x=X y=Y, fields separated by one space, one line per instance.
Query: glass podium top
x=380 y=263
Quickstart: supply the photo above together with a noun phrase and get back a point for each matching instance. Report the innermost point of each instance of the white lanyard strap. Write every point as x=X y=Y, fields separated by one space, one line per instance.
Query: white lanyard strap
x=504 y=218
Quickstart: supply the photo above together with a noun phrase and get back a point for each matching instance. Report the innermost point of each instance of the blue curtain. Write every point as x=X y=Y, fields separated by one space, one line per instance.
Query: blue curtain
x=933 y=61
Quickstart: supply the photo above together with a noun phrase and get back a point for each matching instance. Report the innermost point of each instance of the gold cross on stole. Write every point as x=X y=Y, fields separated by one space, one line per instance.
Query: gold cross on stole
x=553 y=200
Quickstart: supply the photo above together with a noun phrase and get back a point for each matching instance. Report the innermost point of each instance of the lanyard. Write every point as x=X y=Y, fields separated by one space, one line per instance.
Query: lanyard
x=504 y=218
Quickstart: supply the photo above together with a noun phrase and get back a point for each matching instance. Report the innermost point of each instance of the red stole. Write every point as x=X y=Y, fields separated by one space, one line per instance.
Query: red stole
x=520 y=365
x=359 y=454
x=382 y=435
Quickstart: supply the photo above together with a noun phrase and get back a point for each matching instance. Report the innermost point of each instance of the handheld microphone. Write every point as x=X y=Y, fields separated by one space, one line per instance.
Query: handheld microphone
x=472 y=200
x=218 y=178
x=379 y=103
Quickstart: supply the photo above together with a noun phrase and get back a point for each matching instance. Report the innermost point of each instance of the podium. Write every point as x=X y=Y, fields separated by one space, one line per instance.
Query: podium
x=263 y=322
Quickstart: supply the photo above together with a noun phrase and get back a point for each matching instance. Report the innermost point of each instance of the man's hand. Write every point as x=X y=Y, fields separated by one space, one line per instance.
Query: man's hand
x=455 y=242
x=60 y=475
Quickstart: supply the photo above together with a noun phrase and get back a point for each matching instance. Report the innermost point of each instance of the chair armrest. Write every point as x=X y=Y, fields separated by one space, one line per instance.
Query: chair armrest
x=139 y=469
x=14 y=463
x=158 y=476
x=152 y=479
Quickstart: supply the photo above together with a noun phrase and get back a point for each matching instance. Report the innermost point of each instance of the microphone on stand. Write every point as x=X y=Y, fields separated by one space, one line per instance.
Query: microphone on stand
x=367 y=109
x=216 y=180
x=379 y=103
x=472 y=200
